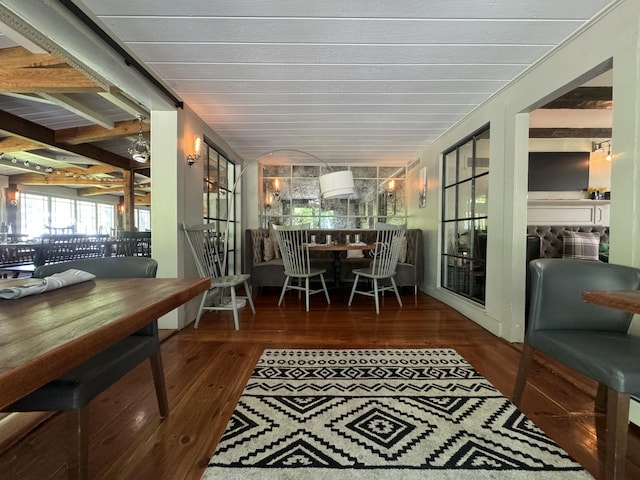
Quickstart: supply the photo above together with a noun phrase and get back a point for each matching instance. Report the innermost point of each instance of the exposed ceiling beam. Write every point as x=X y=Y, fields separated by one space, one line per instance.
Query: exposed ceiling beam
x=18 y=144
x=142 y=199
x=24 y=128
x=92 y=170
x=585 y=98
x=20 y=57
x=94 y=133
x=78 y=108
x=570 y=132
x=36 y=80
x=24 y=72
x=53 y=179
x=110 y=189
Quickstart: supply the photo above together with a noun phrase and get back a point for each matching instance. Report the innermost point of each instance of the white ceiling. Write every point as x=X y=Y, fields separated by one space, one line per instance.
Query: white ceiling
x=360 y=81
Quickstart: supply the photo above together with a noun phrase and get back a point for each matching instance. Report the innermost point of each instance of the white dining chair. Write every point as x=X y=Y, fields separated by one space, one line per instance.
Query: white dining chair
x=294 y=242
x=204 y=240
x=383 y=265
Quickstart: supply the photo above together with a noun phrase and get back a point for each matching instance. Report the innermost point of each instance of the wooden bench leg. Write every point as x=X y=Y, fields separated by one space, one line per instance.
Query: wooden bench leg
x=523 y=373
x=617 y=429
x=601 y=399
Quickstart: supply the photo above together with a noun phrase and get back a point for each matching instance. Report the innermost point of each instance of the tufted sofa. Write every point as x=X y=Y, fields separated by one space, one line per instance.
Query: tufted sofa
x=271 y=273
x=551 y=238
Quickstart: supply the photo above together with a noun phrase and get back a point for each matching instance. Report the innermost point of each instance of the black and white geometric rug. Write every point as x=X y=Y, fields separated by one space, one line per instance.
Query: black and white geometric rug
x=380 y=414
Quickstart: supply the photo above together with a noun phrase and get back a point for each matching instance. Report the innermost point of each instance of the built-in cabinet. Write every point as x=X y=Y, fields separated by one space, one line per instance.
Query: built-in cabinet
x=568 y=212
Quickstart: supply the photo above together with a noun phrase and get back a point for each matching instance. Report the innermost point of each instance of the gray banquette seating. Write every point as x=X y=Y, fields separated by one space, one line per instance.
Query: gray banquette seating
x=551 y=237
x=270 y=273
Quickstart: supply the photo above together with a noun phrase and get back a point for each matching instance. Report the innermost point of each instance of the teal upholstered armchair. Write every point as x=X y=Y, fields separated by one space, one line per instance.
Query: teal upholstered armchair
x=590 y=339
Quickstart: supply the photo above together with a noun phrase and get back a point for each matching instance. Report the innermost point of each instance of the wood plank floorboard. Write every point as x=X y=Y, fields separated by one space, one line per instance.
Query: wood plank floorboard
x=206 y=370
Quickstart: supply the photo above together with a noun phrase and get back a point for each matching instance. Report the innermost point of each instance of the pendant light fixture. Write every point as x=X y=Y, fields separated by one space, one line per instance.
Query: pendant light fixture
x=140 y=150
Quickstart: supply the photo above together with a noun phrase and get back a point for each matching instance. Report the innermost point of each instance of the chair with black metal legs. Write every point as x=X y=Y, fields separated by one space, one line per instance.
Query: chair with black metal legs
x=383 y=265
x=204 y=240
x=73 y=391
x=294 y=242
x=590 y=339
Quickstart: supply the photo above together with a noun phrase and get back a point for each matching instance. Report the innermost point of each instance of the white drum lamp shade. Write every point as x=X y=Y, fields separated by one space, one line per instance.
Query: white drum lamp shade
x=337 y=184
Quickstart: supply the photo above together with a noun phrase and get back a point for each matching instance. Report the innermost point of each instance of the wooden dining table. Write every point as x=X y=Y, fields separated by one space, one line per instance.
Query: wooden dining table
x=336 y=248
x=627 y=300
x=43 y=336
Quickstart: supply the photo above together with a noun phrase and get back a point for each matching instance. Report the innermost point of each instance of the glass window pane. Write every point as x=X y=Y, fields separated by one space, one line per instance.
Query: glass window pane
x=449 y=205
x=276 y=170
x=87 y=221
x=34 y=214
x=465 y=152
x=482 y=196
x=106 y=216
x=450 y=168
x=364 y=172
x=312 y=171
x=465 y=200
x=144 y=220
x=391 y=172
x=362 y=203
x=305 y=188
x=62 y=213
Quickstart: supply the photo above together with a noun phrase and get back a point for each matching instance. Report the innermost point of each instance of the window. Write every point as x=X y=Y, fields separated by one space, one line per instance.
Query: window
x=218 y=183
x=465 y=203
x=44 y=214
x=291 y=195
x=142 y=219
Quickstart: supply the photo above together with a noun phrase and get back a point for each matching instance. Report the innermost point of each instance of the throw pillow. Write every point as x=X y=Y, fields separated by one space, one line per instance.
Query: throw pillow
x=276 y=245
x=268 y=249
x=582 y=245
x=402 y=256
x=274 y=239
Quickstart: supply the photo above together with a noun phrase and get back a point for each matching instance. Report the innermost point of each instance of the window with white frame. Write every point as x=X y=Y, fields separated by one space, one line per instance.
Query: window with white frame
x=44 y=214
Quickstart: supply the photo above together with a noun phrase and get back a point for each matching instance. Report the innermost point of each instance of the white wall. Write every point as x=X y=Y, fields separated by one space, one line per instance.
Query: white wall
x=584 y=56
x=177 y=196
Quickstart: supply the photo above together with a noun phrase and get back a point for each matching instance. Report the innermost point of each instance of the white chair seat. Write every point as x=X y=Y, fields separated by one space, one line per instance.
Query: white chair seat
x=230 y=280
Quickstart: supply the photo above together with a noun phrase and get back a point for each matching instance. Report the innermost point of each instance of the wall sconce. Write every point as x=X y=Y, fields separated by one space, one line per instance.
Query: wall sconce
x=276 y=187
x=197 y=147
x=120 y=208
x=12 y=197
x=391 y=188
x=267 y=201
x=600 y=147
x=422 y=190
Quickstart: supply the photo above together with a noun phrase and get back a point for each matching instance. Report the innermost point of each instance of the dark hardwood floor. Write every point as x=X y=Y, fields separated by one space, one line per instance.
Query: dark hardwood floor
x=206 y=370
